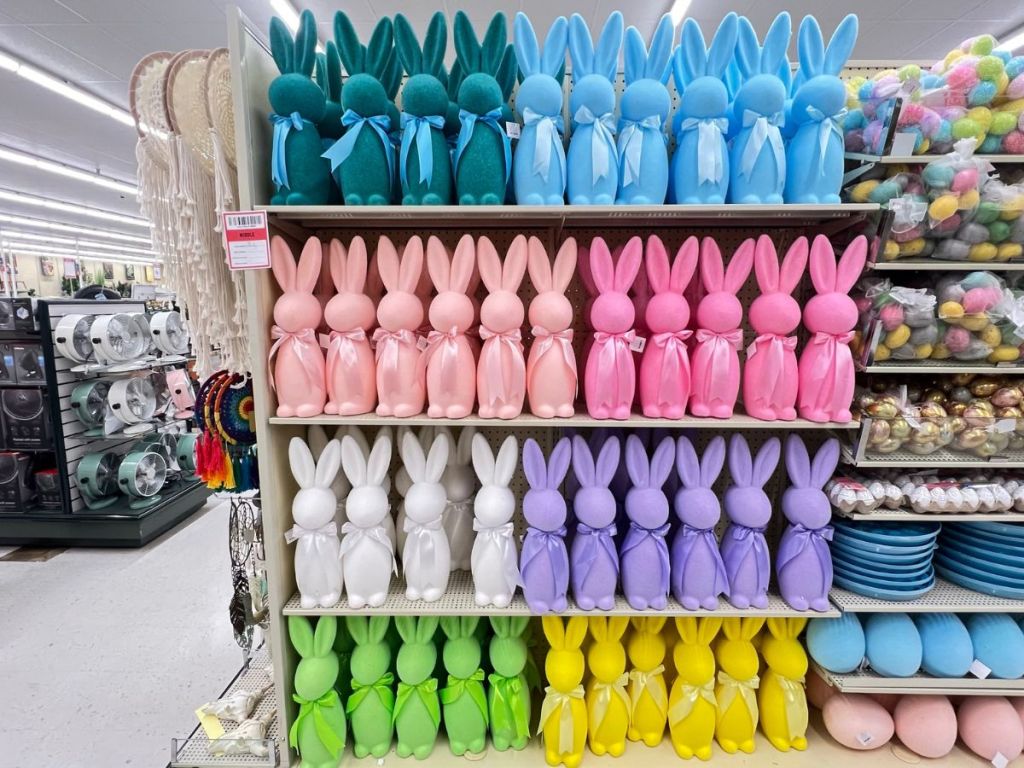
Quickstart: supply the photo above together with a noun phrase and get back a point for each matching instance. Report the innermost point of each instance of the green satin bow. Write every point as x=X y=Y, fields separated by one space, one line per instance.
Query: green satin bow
x=383 y=688
x=508 y=693
x=428 y=695
x=473 y=686
x=315 y=707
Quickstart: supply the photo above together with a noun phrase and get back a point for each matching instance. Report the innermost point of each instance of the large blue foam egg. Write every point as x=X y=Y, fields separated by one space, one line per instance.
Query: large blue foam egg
x=946 y=643
x=836 y=644
x=893 y=644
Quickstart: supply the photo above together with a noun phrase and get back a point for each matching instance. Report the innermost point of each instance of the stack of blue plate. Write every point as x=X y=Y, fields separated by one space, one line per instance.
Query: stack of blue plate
x=985 y=557
x=887 y=561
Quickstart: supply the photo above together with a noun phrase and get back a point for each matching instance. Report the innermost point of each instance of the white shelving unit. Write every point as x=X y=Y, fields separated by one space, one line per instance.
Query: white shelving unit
x=909 y=516
x=944 y=597
x=925 y=159
x=941 y=459
x=935 y=265
x=945 y=366
x=869 y=682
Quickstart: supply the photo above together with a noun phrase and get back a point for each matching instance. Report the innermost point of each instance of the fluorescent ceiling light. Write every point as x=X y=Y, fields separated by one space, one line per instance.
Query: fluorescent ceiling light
x=60 y=205
x=23 y=158
x=53 y=226
x=1012 y=43
x=42 y=250
x=11 y=234
x=290 y=17
x=678 y=11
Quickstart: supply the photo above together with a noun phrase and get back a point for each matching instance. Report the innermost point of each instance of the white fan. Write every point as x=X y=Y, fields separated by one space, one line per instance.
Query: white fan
x=169 y=333
x=133 y=400
x=72 y=337
x=140 y=476
x=117 y=338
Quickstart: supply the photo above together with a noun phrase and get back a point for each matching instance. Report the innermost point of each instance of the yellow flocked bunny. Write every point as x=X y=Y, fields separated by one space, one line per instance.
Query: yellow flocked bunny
x=608 y=702
x=781 y=695
x=648 y=696
x=692 y=704
x=736 y=691
x=563 y=713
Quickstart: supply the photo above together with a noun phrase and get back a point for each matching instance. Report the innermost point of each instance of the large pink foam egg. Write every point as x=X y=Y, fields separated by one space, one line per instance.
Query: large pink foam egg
x=990 y=725
x=926 y=725
x=818 y=691
x=858 y=721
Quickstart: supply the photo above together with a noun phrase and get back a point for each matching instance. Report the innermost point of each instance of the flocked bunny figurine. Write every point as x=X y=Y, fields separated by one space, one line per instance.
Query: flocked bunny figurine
x=298 y=362
x=495 y=560
x=316 y=439
x=700 y=165
x=644 y=552
x=803 y=561
x=367 y=552
x=417 y=705
x=328 y=76
x=463 y=699
x=351 y=372
x=501 y=370
x=426 y=557
x=715 y=362
x=642 y=149
x=826 y=364
x=318 y=731
x=544 y=562
x=460 y=486
x=737 y=684
x=424 y=163
x=300 y=175
x=371 y=705
x=693 y=708
x=595 y=563
x=508 y=696
x=757 y=160
x=449 y=361
x=363 y=159
x=552 y=378
x=538 y=166
x=665 y=366
x=610 y=376
x=770 y=371
x=401 y=382
x=563 y=713
x=781 y=697
x=608 y=703
x=648 y=695
x=744 y=549
x=698 y=574
x=403 y=482
x=318 y=573
x=814 y=153
x=593 y=160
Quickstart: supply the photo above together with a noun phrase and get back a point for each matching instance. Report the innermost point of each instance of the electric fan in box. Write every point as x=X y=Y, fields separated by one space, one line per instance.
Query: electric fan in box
x=96 y=475
x=141 y=476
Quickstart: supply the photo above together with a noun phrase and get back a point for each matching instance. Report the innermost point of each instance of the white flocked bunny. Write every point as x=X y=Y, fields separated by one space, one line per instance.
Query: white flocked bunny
x=367 y=552
x=460 y=486
x=318 y=571
x=403 y=482
x=316 y=438
x=495 y=560
x=426 y=557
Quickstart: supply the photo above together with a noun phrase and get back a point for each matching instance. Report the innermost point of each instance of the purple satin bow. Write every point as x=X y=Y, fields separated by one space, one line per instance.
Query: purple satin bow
x=596 y=537
x=637 y=534
x=551 y=541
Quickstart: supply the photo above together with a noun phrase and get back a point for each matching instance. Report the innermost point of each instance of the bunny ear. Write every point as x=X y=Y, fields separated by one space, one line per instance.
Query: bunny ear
x=684 y=265
x=558 y=462
x=598 y=627
x=358 y=629
x=581 y=49
x=794 y=264
x=825 y=461
x=795 y=625
x=356 y=267
x=798 y=463
x=636 y=462
x=437 y=459
x=450 y=626
x=810 y=48
x=493 y=47
x=464 y=447
x=406 y=626
x=661 y=48
x=740 y=465
x=517 y=625
x=565 y=265
x=748 y=52
x=662 y=462
x=852 y=264
x=525 y=41
x=656 y=259
x=533 y=464
x=539 y=264
x=606 y=57
x=316 y=439
x=751 y=627
x=323 y=637
x=353 y=56
x=635 y=55
x=617 y=626
x=337 y=262
x=434 y=45
x=582 y=461
x=766 y=462
x=575 y=632
x=553 y=56
x=501 y=626
x=608 y=461
x=408 y=47
x=514 y=268
x=426 y=628
x=301 y=634
x=687 y=464
x=327 y=466
x=281 y=45
x=679 y=68
x=777 y=627
x=629 y=264
x=353 y=461
x=333 y=61
x=508 y=69
x=554 y=631
x=378 y=628
x=283 y=263
x=380 y=48
x=460 y=272
x=483 y=461
x=841 y=45
x=468 y=625
x=709 y=627
x=438 y=264
x=309 y=265
x=489 y=263
x=301 y=460
x=773 y=52
x=505 y=466
x=766 y=265
x=391 y=77
x=320 y=73
x=823 y=265
x=380 y=459
x=686 y=626
x=723 y=46
x=601 y=268
x=387 y=263
x=305 y=44
x=411 y=265
x=711 y=462
x=712 y=273
x=739 y=266
x=467 y=48
x=693 y=50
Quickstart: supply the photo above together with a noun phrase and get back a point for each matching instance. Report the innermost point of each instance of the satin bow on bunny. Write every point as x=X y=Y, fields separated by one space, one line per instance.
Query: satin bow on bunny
x=645 y=560
x=501 y=370
x=351 y=373
x=400 y=376
x=602 y=148
x=544 y=562
x=494 y=560
x=595 y=563
x=552 y=378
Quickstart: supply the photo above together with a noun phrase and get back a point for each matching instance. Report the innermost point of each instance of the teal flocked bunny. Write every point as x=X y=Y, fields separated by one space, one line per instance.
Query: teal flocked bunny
x=417 y=707
x=318 y=731
x=328 y=76
x=299 y=174
x=392 y=82
x=371 y=704
x=508 y=695
x=464 y=699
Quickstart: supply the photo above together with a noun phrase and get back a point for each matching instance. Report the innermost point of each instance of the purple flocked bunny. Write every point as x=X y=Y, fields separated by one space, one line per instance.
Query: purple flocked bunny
x=803 y=561
x=644 y=553
x=544 y=561
x=744 y=549
x=595 y=563
x=698 y=574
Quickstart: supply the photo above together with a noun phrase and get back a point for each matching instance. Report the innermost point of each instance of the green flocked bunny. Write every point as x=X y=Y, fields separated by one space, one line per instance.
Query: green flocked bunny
x=464 y=699
x=318 y=732
x=424 y=163
x=343 y=645
x=508 y=696
x=328 y=77
x=363 y=158
x=371 y=705
x=300 y=175
x=417 y=707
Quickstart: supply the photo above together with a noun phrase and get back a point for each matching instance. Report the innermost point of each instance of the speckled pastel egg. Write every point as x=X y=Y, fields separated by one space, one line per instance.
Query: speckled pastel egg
x=1013 y=142
x=989 y=725
x=989 y=67
x=990 y=145
x=981 y=115
x=1002 y=123
x=884 y=192
x=964 y=179
x=969 y=199
x=926 y=725
x=952 y=250
x=982 y=45
x=913 y=247
x=1008 y=251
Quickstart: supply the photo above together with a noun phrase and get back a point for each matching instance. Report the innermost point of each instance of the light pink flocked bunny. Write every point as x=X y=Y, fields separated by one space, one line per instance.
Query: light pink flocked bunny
x=716 y=362
x=552 y=380
x=665 y=368
x=400 y=381
x=501 y=372
x=610 y=377
x=770 y=373
x=351 y=372
x=298 y=373
x=449 y=361
x=826 y=365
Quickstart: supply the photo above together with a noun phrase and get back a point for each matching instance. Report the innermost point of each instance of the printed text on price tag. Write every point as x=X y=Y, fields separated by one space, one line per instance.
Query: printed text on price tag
x=247 y=240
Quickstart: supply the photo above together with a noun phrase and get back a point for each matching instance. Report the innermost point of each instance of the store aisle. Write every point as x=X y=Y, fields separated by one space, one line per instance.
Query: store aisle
x=105 y=654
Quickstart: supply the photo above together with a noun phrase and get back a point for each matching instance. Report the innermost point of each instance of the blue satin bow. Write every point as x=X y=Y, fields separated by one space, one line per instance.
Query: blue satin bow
x=710 y=163
x=602 y=143
x=827 y=125
x=763 y=128
x=631 y=145
x=491 y=120
x=549 y=133
x=597 y=537
x=354 y=122
x=418 y=127
x=283 y=124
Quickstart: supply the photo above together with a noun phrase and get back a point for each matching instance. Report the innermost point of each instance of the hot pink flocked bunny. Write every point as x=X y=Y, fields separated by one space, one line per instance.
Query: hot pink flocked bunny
x=450 y=365
x=770 y=373
x=551 y=377
x=610 y=378
x=665 y=368
x=298 y=373
x=826 y=365
x=716 y=362
x=400 y=380
x=351 y=373
x=501 y=372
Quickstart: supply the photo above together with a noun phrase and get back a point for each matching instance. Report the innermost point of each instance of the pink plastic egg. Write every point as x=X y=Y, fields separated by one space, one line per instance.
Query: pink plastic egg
x=965 y=179
x=926 y=725
x=989 y=725
x=857 y=721
x=958 y=339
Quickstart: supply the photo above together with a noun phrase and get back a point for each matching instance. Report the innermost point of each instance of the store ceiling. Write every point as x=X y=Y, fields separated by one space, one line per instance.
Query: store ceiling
x=96 y=43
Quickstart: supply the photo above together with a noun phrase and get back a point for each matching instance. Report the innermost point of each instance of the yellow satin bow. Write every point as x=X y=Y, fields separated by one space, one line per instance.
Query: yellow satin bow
x=745 y=688
x=690 y=693
x=644 y=681
x=603 y=693
x=555 y=699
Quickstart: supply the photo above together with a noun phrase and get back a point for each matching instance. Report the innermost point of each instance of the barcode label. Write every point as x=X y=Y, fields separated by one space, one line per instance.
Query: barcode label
x=239 y=220
x=246 y=240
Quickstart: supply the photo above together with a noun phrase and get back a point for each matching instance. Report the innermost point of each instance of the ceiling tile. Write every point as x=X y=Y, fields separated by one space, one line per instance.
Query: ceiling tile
x=936 y=9
x=891 y=39
x=40 y=12
x=938 y=45
x=144 y=37
x=92 y=43
x=23 y=42
x=1009 y=12
x=324 y=10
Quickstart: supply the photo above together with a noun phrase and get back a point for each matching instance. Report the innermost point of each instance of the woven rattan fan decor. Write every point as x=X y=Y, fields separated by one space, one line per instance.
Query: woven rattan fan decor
x=185 y=91
x=146 y=99
x=219 y=108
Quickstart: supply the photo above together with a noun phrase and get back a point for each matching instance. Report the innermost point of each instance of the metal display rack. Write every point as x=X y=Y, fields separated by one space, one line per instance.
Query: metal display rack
x=869 y=682
x=944 y=597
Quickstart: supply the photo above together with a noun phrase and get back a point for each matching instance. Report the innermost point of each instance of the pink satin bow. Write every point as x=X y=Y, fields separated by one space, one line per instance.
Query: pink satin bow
x=613 y=351
x=447 y=342
x=824 y=369
x=301 y=343
x=546 y=339
x=386 y=348
x=501 y=388
x=674 y=364
x=774 y=352
x=719 y=358
x=343 y=347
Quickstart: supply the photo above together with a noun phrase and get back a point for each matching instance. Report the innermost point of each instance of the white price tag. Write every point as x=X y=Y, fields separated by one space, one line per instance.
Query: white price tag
x=865 y=738
x=513 y=130
x=637 y=344
x=421 y=343
x=999 y=760
x=325 y=340
x=1005 y=425
x=247 y=240
x=979 y=669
